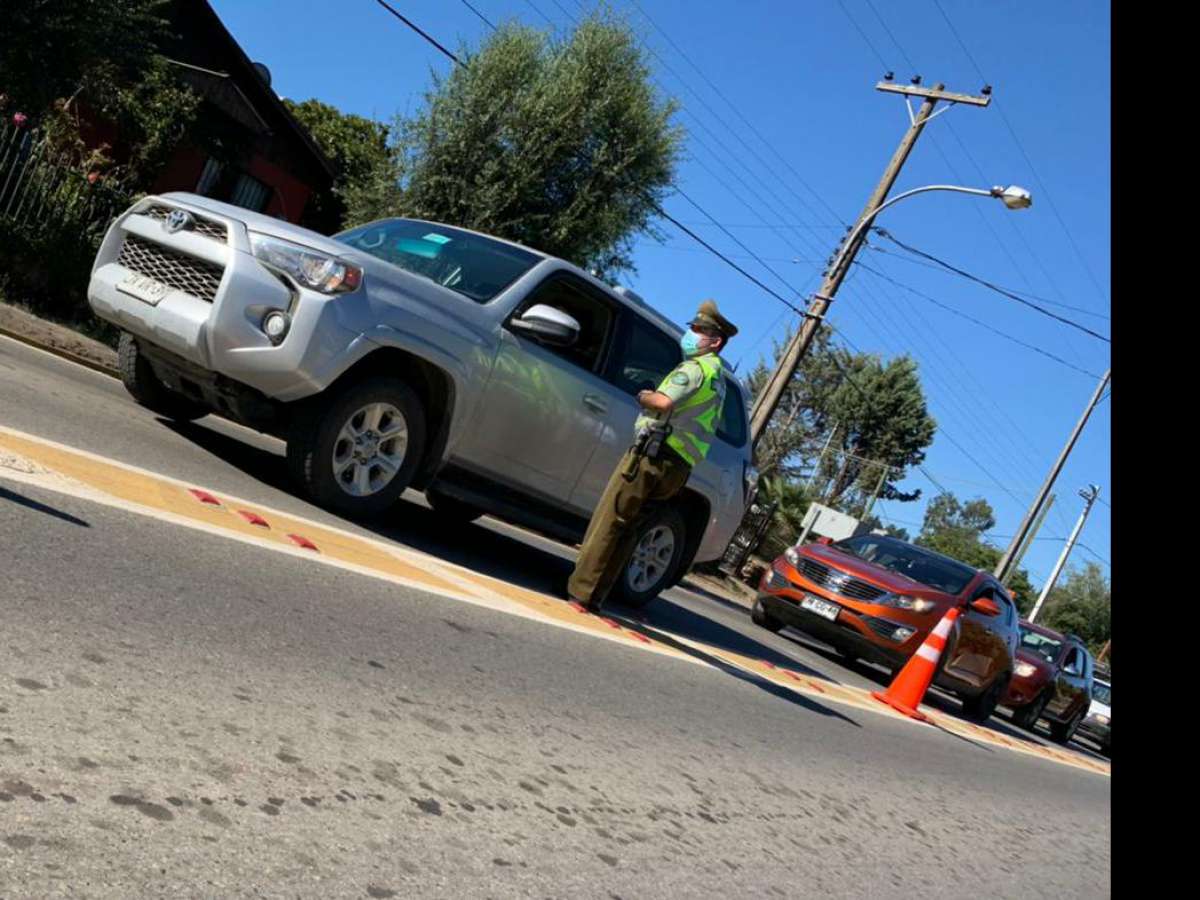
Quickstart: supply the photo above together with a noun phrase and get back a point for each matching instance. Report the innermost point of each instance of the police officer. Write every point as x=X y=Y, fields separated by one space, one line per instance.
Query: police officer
x=689 y=401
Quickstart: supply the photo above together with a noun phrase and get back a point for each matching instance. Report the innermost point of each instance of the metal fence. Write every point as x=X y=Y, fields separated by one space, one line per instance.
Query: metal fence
x=42 y=189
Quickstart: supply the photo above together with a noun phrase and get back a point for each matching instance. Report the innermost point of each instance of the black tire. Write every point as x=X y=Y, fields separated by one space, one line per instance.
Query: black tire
x=452 y=509
x=760 y=617
x=662 y=571
x=315 y=435
x=1027 y=716
x=980 y=709
x=1062 y=732
x=147 y=388
x=845 y=653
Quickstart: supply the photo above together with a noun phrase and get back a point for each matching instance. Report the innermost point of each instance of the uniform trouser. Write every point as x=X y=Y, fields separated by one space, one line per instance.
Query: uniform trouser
x=612 y=533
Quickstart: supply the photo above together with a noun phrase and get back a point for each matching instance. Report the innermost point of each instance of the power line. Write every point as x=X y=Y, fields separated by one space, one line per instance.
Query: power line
x=938 y=428
x=966 y=409
x=883 y=232
x=737 y=111
x=419 y=31
x=549 y=21
x=725 y=259
x=863 y=35
x=981 y=324
x=907 y=58
x=936 y=268
x=486 y=21
x=737 y=241
x=1033 y=169
x=657 y=207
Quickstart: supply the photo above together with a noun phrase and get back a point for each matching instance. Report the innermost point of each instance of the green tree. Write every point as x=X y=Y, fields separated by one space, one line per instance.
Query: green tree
x=357 y=147
x=957 y=529
x=1082 y=605
x=791 y=501
x=558 y=144
x=797 y=431
x=881 y=420
x=86 y=49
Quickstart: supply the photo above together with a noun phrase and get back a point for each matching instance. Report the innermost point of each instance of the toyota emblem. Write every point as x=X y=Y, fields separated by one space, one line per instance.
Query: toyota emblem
x=177 y=221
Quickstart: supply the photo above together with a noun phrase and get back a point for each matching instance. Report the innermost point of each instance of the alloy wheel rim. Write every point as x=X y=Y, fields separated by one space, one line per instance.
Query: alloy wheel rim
x=370 y=449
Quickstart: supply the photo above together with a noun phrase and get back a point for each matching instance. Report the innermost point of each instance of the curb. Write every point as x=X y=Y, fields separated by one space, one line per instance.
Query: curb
x=60 y=352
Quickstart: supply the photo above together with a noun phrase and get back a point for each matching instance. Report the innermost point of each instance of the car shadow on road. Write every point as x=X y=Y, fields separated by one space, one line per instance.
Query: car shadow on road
x=641 y=626
x=22 y=500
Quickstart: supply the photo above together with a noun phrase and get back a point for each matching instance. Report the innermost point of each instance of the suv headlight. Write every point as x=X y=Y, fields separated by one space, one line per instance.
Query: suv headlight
x=900 y=601
x=308 y=268
x=1024 y=669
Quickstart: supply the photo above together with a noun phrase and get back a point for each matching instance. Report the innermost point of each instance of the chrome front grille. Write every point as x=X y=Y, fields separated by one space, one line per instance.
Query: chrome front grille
x=839 y=582
x=197 y=277
x=206 y=227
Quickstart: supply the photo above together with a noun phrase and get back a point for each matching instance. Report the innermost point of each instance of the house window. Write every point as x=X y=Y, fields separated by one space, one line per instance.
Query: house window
x=208 y=177
x=250 y=193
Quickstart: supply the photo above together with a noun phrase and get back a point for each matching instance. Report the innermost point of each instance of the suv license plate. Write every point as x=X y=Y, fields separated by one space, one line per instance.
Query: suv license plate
x=822 y=608
x=143 y=287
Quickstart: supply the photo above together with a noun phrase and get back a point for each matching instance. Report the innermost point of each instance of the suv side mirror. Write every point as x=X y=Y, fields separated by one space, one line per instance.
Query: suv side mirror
x=547 y=325
x=985 y=605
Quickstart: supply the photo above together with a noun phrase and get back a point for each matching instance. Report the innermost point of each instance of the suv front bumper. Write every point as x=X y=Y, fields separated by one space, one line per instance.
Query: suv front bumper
x=221 y=333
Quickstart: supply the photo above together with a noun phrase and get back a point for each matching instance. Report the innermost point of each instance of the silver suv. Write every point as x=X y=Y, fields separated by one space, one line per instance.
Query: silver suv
x=411 y=354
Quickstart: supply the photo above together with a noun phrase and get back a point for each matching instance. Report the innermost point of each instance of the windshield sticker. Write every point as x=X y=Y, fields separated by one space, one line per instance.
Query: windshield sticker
x=437 y=238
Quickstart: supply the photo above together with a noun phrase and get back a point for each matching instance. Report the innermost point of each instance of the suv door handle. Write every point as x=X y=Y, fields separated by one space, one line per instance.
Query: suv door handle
x=595 y=403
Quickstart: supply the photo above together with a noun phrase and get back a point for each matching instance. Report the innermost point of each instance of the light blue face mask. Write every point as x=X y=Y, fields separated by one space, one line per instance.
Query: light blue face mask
x=690 y=342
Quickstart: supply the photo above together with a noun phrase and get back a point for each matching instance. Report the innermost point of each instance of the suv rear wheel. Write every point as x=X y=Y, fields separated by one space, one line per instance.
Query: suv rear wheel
x=657 y=553
x=356 y=451
x=147 y=388
x=1062 y=732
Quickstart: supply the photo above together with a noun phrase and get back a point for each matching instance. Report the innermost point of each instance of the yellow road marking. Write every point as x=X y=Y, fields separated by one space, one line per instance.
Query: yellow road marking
x=168 y=498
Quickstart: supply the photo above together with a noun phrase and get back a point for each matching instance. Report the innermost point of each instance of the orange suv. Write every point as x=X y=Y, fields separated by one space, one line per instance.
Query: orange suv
x=877 y=597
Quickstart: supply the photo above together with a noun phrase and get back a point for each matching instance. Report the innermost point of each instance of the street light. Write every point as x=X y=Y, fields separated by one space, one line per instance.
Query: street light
x=1013 y=197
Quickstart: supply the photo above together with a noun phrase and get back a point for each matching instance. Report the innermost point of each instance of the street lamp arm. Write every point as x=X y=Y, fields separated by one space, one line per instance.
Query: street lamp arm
x=869 y=219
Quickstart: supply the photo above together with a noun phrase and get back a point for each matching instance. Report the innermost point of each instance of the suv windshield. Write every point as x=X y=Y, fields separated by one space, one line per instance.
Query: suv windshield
x=1102 y=692
x=475 y=266
x=1046 y=647
x=923 y=566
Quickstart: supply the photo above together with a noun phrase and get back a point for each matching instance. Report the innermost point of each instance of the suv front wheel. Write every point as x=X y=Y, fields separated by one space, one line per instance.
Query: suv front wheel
x=148 y=389
x=657 y=553
x=356 y=451
x=980 y=709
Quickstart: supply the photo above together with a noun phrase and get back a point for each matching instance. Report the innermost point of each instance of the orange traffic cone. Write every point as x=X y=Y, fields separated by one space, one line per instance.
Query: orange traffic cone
x=907 y=689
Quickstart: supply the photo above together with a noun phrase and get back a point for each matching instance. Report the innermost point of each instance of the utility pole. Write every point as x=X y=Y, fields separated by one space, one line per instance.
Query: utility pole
x=1037 y=526
x=1089 y=494
x=768 y=398
x=879 y=487
x=1006 y=560
x=821 y=458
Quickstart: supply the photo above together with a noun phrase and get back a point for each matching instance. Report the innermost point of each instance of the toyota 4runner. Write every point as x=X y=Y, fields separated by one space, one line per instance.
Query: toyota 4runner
x=405 y=353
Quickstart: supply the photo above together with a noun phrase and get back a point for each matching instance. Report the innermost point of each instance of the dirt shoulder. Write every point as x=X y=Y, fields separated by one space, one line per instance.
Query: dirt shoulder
x=24 y=326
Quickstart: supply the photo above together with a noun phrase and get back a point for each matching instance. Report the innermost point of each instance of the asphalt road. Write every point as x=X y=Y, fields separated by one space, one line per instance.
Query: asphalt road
x=181 y=714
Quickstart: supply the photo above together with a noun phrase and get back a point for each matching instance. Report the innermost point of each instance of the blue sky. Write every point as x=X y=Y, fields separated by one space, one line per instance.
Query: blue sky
x=786 y=154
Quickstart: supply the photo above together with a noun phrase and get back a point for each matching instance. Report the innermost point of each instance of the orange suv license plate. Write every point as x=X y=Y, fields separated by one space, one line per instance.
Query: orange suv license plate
x=822 y=608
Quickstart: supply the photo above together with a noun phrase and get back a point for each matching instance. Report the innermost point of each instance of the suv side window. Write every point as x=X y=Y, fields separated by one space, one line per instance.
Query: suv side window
x=642 y=355
x=594 y=314
x=732 y=426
